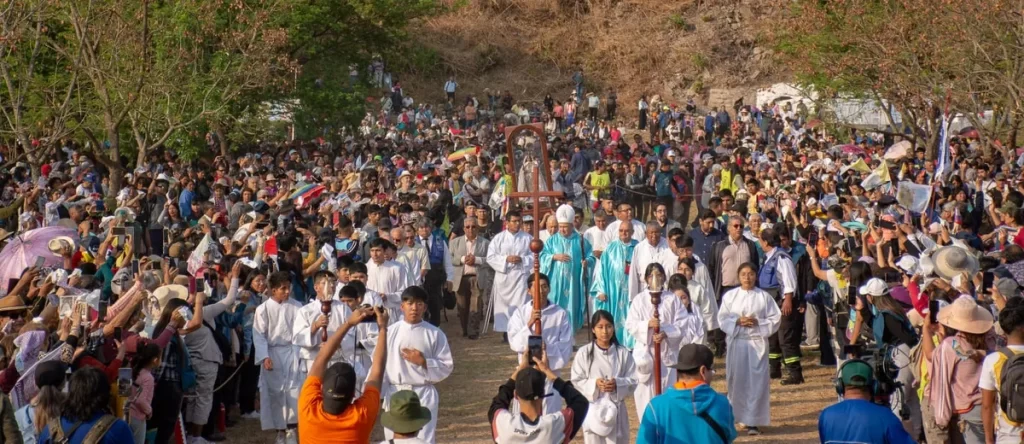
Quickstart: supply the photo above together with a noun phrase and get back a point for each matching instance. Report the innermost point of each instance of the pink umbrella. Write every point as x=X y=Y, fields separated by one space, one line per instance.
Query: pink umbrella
x=23 y=248
x=852 y=149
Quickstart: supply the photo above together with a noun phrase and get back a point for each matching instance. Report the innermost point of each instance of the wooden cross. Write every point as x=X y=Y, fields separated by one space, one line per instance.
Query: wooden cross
x=535 y=194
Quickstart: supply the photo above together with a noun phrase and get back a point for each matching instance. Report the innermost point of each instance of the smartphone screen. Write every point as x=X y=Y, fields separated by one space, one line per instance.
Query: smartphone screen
x=191 y=285
x=40 y=261
x=124 y=381
x=135 y=267
x=534 y=348
x=336 y=218
x=118 y=333
x=156 y=241
x=102 y=310
x=987 y=278
x=200 y=285
x=933 y=311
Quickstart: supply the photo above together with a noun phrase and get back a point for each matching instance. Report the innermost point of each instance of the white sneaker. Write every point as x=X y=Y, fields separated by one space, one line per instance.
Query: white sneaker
x=291 y=436
x=198 y=440
x=280 y=438
x=251 y=415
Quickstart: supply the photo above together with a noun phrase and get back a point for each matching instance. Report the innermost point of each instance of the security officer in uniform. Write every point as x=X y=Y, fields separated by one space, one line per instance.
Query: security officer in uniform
x=778 y=277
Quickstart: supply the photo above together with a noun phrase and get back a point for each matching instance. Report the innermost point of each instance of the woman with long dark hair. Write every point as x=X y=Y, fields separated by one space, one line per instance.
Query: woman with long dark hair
x=604 y=372
x=86 y=408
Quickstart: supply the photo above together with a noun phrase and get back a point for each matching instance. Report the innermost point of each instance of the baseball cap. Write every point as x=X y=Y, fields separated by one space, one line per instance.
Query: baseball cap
x=856 y=374
x=694 y=356
x=530 y=384
x=874 y=287
x=339 y=387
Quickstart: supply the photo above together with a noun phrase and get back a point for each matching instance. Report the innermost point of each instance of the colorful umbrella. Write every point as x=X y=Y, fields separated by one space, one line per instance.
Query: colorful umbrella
x=461 y=154
x=309 y=195
x=23 y=249
x=302 y=190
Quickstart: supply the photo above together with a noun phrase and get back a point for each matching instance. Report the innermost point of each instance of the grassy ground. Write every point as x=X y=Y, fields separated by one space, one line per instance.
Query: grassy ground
x=482 y=365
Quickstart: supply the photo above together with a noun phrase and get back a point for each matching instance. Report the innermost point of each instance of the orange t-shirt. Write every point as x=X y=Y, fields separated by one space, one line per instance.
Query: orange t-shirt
x=354 y=425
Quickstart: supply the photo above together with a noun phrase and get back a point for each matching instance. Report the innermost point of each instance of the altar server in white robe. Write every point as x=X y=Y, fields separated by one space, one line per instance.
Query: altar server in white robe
x=418 y=358
x=698 y=294
x=652 y=249
x=365 y=334
x=556 y=332
x=677 y=328
x=414 y=255
x=748 y=316
x=509 y=256
x=385 y=280
x=598 y=242
x=684 y=250
x=309 y=325
x=604 y=372
x=275 y=353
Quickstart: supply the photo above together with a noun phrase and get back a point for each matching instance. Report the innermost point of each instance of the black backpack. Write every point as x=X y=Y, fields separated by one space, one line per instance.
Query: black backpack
x=223 y=343
x=1011 y=386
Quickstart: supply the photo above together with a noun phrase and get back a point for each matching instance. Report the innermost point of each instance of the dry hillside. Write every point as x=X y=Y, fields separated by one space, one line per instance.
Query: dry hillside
x=712 y=50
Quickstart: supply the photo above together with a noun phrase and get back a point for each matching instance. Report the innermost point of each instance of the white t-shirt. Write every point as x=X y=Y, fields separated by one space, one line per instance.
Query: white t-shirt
x=1005 y=433
x=549 y=429
x=413 y=440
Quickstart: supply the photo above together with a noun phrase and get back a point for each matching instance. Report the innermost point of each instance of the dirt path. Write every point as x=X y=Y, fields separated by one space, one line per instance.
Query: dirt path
x=482 y=365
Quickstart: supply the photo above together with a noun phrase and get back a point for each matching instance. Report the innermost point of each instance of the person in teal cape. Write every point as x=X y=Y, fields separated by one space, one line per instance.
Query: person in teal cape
x=609 y=291
x=563 y=260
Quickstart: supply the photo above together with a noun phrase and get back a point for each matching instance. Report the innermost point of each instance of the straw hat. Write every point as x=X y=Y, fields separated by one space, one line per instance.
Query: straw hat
x=164 y=294
x=967 y=316
x=951 y=261
x=59 y=244
x=13 y=303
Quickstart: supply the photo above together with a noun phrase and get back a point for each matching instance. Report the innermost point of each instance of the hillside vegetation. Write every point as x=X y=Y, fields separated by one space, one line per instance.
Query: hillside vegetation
x=713 y=50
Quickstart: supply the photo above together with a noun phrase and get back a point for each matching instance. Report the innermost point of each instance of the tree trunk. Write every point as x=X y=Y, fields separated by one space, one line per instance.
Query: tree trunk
x=116 y=168
x=224 y=145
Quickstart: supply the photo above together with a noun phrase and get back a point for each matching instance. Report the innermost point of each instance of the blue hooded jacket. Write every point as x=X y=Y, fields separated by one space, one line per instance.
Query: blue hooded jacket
x=674 y=417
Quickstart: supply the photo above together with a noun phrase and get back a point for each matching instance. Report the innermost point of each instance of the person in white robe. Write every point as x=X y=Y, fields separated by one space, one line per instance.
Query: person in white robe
x=677 y=328
x=698 y=293
x=310 y=323
x=748 y=316
x=413 y=255
x=509 y=256
x=604 y=372
x=276 y=355
x=393 y=253
x=385 y=281
x=556 y=332
x=418 y=358
x=365 y=334
x=652 y=249
x=624 y=213
x=598 y=242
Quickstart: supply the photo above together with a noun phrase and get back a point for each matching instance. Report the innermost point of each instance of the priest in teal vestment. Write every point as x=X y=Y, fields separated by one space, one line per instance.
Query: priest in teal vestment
x=611 y=282
x=562 y=260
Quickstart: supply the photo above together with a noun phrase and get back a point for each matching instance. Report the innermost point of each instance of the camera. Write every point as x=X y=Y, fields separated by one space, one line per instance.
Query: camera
x=884 y=370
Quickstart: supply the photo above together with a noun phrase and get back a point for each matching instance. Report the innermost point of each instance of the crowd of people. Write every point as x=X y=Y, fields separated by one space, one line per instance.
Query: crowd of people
x=304 y=284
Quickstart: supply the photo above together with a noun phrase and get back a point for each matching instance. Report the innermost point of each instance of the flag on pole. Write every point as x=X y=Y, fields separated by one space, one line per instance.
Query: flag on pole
x=944 y=154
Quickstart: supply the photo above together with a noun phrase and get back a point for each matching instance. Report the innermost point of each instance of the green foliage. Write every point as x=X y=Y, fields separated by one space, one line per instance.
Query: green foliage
x=677 y=21
x=699 y=60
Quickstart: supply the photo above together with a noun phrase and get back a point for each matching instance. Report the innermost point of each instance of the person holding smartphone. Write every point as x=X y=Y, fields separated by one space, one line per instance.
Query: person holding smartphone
x=556 y=334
